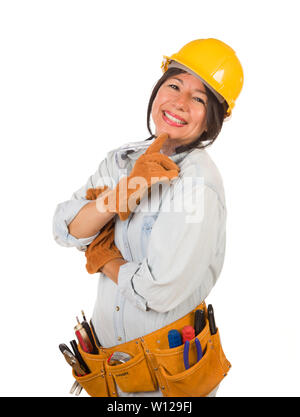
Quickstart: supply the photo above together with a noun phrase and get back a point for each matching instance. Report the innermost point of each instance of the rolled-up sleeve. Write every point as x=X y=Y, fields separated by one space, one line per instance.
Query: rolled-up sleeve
x=66 y=211
x=64 y=214
x=185 y=251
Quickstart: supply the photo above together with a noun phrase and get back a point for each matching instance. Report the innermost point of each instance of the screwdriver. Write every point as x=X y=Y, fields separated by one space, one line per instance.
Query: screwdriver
x=174 y=338
x=89 y=333
x=188 y=333
x=83 y=338
x=211 y=319
x=199 y=323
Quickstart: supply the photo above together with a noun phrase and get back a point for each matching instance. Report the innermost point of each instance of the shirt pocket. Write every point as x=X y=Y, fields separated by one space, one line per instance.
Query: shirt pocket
x=147 y=225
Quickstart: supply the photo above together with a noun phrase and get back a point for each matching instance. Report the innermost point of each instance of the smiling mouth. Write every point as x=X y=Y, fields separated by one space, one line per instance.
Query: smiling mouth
x=174 y=121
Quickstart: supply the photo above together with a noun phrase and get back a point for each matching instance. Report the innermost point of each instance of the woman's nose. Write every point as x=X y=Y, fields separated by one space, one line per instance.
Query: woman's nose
x=181 y=103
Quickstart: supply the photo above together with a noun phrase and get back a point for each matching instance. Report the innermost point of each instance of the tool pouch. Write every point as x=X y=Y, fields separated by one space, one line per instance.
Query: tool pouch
x=154 y=365
x=95 y=383
x=132 y=376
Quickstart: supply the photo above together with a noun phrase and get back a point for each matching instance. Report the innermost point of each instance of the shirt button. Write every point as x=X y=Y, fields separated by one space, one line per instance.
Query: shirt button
x=117 y=308
x=119 y=338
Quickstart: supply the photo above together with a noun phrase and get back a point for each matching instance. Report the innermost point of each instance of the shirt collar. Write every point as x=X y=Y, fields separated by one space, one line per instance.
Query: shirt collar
x=178 y=157
x=135 y=152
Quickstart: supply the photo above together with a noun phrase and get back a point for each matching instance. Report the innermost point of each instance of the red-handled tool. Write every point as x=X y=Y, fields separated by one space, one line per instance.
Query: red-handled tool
x=83 y=338
x=188 y=333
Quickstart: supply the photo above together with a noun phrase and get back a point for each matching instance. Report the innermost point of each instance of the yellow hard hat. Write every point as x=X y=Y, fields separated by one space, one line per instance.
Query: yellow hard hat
x=215 y=63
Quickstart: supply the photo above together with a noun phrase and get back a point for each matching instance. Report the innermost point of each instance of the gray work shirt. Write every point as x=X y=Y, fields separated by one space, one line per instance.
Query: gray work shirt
x=174 y=255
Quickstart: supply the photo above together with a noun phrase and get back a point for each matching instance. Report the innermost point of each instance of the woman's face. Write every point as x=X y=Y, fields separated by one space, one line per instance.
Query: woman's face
x=179 y=108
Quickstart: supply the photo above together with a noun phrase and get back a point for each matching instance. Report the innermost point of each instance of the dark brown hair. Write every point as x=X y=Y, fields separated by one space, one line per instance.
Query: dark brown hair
x=214 y=115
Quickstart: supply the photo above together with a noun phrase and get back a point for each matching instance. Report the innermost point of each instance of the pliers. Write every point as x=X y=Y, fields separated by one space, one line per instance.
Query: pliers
x=186 y=352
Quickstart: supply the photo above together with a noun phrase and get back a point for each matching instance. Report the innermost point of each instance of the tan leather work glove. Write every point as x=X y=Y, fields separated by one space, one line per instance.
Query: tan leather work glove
x=103 y=248
x=150 y=168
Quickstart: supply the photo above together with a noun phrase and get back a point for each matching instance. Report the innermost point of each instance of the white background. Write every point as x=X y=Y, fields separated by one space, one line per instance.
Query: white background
x=75 y=79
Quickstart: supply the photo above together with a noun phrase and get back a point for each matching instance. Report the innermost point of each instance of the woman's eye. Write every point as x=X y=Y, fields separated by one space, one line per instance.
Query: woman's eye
x=174 y=86
x=199 y=100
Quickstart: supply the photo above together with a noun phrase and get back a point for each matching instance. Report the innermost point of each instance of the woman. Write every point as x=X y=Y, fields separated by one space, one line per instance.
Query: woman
x=164 y=261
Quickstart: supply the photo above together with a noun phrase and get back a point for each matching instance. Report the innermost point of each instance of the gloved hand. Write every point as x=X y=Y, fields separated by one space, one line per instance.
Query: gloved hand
x=93 y=193
x=103 y=248
x=150 y=168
